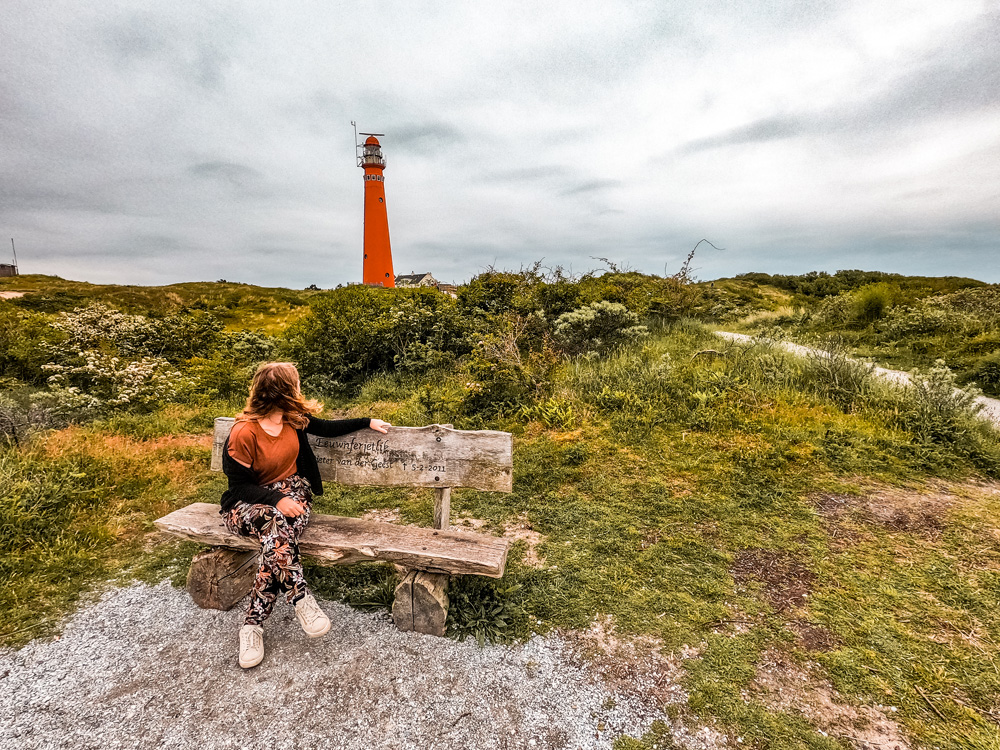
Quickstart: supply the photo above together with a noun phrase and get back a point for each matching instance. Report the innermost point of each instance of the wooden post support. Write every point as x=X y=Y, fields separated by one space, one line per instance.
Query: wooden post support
x=442 y=507
x=421 y=603
x=442 y=502
x=219 y=578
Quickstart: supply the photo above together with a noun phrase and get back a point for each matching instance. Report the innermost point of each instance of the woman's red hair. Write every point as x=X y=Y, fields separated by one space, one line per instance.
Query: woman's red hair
x=275 y=387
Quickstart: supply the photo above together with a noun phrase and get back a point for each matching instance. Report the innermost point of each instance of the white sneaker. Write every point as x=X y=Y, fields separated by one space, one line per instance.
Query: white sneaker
x=312 y=619
x=251 y=646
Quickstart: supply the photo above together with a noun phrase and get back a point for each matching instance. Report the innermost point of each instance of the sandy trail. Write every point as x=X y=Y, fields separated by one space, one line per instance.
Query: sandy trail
x=989 y=407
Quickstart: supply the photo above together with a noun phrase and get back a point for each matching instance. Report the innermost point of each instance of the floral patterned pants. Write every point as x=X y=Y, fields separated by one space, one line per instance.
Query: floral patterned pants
x=280 y=569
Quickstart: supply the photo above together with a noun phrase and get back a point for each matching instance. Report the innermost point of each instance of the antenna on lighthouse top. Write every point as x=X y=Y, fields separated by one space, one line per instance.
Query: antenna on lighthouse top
x=358 y=145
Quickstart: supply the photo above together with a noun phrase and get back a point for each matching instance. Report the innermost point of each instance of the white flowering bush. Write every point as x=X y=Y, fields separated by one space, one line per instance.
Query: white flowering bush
x=904 y=322
x=99 y=326
x=597 y=327
x=92 y=380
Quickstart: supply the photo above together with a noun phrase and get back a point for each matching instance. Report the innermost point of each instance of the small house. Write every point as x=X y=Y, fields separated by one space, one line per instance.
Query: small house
x=412 y=280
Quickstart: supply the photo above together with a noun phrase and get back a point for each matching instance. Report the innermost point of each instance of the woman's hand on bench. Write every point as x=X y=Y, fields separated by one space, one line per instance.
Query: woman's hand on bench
x=379 y=426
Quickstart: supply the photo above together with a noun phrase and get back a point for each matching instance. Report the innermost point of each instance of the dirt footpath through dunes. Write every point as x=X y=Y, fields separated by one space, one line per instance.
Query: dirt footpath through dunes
x=145 y=668
x=989 y=407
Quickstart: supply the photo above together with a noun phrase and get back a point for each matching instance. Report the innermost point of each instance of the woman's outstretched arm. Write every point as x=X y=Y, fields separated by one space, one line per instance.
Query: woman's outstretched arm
x=337 y=427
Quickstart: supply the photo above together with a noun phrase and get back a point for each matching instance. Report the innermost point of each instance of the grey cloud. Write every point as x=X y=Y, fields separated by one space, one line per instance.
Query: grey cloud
x=961 y=77
x=767 y=129
x=526 y=174
x=197 y=50
x=590 y=187
x=964 y=76
x=148 y=136
x=423 y=138
x=239 y=176
x=135 y=38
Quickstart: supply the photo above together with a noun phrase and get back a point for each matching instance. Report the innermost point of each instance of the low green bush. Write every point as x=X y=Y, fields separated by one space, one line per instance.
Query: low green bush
x=354 y=332
x=597 y=327
x=485 y=609
x=938 y=412
x=985 y=372
x=873 y=302
x=921 y=320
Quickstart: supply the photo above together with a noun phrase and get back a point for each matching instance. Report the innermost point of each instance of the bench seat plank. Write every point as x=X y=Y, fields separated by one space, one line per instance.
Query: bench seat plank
x=338 y=540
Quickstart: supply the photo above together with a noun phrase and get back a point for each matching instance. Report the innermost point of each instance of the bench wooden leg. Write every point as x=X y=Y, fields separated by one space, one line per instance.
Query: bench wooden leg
x=421 y=603
x=220 y=577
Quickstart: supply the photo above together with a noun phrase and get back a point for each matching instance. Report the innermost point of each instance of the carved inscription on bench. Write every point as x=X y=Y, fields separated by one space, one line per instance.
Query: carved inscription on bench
x=432 y=456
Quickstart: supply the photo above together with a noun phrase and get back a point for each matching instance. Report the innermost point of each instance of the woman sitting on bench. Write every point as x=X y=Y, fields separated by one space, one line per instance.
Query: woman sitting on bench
x=273 y=476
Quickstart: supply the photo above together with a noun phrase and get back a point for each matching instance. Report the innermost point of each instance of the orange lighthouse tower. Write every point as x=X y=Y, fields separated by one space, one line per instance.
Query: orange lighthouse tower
x=378 y=255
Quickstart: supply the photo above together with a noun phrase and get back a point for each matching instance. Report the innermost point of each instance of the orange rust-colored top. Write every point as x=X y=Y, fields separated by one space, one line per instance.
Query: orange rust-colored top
x=272 y=458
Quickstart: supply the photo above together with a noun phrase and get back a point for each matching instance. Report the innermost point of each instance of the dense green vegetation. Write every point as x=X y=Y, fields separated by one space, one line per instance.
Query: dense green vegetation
x=904 y=322
x=729 y=498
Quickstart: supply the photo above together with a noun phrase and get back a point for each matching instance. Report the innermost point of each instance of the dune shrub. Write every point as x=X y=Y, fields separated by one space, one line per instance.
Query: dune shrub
x=921 y=320
x=985 y=372
x=833 y=374
x=940 y=414
x=835 y=310
x=597 y=327
x=871 y=303
x=25 y=339
x=354 y=332
x=494 y=292
x=506 y=372
x=94 y=380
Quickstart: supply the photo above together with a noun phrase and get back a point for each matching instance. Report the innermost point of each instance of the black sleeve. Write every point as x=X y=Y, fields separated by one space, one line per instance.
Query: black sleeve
x=243 y=485
x=335 y=427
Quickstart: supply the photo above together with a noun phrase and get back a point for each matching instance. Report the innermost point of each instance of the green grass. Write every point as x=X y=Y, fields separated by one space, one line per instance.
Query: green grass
x=672 y=473
x=238 y=306
x=906 y=326
x=77 y=506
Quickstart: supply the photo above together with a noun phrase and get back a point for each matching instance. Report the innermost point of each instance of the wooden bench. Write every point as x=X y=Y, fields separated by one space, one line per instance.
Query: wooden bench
x=434 y=456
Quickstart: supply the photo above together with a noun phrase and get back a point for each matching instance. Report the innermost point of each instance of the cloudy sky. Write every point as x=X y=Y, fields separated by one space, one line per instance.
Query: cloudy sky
x=154 y=142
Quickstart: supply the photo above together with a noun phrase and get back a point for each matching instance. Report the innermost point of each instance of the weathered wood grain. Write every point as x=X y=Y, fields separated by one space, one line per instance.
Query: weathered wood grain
x=421 y=603
x=442 y=508
x=430 y=603
x=339 y=541
x=218 y=578
x=402 y=601
x=432 y=456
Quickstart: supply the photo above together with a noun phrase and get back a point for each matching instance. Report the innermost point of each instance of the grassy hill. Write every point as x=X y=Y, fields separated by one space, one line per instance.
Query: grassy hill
x=781 y=523
x=237 y=305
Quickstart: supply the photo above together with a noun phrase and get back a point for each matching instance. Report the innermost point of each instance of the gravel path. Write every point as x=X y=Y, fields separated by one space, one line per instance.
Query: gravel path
x=143 y=667
x=989 y=407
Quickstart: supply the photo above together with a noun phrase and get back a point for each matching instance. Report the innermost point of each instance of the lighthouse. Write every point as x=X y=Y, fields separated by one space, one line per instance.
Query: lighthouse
x=377 y=270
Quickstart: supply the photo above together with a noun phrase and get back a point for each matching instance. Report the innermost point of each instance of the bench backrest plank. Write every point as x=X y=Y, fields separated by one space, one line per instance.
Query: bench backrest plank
x=432 y=456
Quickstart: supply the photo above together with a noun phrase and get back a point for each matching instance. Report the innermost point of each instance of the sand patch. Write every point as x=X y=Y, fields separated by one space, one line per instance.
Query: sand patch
x=517 y=529
x=785 y=686
x=923 y=512
x=382 y=515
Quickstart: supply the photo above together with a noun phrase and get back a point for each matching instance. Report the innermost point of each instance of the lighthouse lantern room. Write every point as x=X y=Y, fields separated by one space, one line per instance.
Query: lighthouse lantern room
x=377 y=270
